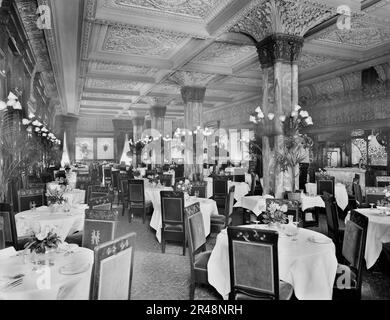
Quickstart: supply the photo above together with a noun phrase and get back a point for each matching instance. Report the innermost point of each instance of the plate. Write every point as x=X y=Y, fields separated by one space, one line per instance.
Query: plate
x=74 y=268
x=320 y=240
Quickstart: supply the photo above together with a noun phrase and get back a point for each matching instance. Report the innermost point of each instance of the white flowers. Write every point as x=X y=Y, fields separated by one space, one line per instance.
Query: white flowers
x=282 y=118
x=3 y=105
x=284 y=208
x=252 y=119
x=297 y=108
x=309 y=121
x=271 y=116
x=294 y=114
x=304 y=114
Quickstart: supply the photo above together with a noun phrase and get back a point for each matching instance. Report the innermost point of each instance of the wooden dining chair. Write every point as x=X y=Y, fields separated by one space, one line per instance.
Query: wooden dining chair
x=137 y=199
x=239 y=178
x=113 y=269
x=335 y=232
x=123 y=194
x=107 y=176
x=99 y=227
x=220 y=190
x=219 y=222
x=325 y=186
x=2 y=240
x=253 y=262
x=25 y=196
x=100 y=203
x=97 y=191
x=353 y=251
x=196 y=239
x=172 y=214
x=201 y=187
x=11 y=238
x=166 y=180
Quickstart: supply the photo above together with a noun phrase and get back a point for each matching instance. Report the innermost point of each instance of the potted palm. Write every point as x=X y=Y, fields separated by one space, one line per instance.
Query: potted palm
x=294 y=146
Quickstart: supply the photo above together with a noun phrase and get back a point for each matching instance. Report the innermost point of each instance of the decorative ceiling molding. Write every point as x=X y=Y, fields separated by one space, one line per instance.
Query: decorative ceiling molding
x=111 y=84
x=112 y=67
x=310 y=61
x=196 y=79
x=283 y=16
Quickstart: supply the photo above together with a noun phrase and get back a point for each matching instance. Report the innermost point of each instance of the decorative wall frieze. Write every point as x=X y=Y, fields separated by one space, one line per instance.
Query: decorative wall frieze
x=283 y=16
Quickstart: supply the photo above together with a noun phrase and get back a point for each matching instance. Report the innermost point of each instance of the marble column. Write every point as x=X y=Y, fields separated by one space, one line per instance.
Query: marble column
x=138 y=128
x=278 y=55
x=193 y=98
x=4 y=37
x=157 y=115
x=121 y=128
x=68 y=124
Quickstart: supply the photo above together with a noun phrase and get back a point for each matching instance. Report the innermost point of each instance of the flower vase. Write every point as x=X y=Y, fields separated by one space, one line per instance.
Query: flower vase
x=46 y=258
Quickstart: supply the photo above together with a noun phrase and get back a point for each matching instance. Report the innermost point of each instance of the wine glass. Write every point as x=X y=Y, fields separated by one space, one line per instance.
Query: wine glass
x=372 y=205
x=33 y=205
x=296 y=231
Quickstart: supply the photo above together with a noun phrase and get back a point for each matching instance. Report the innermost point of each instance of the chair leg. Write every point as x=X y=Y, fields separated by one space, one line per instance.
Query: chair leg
x=144 y=216
x=184 y=247
x=162 y=244
x=192 y=290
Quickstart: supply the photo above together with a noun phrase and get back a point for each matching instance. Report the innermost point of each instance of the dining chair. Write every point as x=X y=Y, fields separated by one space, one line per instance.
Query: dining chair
x=253 y=262
x=196 y=240
x=348 y=283
x=115 y=179
x=2 y=240
x=25 y=196
x=113 y=269
x=357 y=190
x=219 y=222
x=239 y=178
x=100 y=203
x=172 y=214
x=123 y=193
x=166 y=180
x=137 y=199
x=9 y=228
x=99 y=226
x=325 y=186
x=96 y=191
x=220 y=190
x=107 y=176
x=201 y=187
x=335 y=232
x=82 y=182
x=253 y=184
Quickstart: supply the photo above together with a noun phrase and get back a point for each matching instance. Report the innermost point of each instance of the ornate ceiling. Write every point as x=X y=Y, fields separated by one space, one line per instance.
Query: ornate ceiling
x=131 y=50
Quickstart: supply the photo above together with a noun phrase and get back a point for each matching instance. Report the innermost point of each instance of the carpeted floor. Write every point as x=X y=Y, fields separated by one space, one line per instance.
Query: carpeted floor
x=158 y=276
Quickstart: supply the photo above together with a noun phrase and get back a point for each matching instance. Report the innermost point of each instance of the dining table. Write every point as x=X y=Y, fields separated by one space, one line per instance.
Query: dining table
x=208 y=207
x=378 y=232
x=340 y=193
x=309 y=263
x=256 y=204
x=63 y=223
x=66 y=277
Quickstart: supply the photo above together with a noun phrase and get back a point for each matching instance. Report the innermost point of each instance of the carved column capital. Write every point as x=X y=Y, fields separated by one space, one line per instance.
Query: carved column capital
x=138 y=121
x=193 y=94
x=279 y=48
x=158 y=111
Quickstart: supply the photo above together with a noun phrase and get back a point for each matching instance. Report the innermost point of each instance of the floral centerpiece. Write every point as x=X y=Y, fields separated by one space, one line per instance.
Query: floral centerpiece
x=43 y=241
x=55 y=197
x=295 y=143
x=184 y=186
x=386 y=201
x=275 y=214
x=155 y=179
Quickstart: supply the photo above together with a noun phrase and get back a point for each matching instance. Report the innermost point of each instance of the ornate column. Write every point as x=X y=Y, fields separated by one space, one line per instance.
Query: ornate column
x=278 y=55
x=68 y=124
x=193 y=90
x=277 y=27
x=138 y=128
x=4 y=36
x=121 y=127
x=157 y=115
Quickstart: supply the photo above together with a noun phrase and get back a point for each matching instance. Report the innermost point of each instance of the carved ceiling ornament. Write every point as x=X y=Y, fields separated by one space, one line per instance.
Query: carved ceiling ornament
x=106 y=96
x=158 y=101
x=225 y=54
x=293 y=17
x=187 y=78
x=309 y=61
x=192 y=8
x=111 y=84
x=112 y=67
x=366 y=32
x=141 y=41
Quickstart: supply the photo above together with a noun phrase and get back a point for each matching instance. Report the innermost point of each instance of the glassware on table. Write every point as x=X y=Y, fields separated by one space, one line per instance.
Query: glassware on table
x=33 y=205
x=372 y=205
x=296 y=231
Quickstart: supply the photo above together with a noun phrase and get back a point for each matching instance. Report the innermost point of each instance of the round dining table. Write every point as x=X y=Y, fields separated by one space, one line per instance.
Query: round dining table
x=309 y=264
x=68 y=278
x=64 y=223
x=378 y=232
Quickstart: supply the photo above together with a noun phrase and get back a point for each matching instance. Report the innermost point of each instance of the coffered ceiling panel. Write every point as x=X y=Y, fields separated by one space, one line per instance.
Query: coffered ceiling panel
x=225 y=54
x=106 y=96
x=111 y=84
x=310 y=61
x=111 y=67
x=142 y=41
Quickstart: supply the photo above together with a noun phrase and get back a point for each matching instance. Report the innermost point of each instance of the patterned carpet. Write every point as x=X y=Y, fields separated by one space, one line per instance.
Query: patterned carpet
x=158 y=276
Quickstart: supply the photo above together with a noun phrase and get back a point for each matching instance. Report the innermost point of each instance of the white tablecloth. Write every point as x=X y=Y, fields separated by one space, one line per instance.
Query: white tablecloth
x=153 y=194
x=64 y=223
x=378 y=232
x=311 y=202
x=309 y=267
x=208 y=207
x=340 y=191
x=56 y=286
x=257 y=204
x=241 y=188
x=75 y=196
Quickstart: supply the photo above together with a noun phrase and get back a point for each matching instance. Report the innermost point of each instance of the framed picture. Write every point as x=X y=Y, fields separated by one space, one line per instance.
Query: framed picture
x=84 y=149
x=105 y=148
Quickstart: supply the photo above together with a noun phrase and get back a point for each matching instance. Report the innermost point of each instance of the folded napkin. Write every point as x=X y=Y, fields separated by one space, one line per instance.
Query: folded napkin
x=7 y=253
